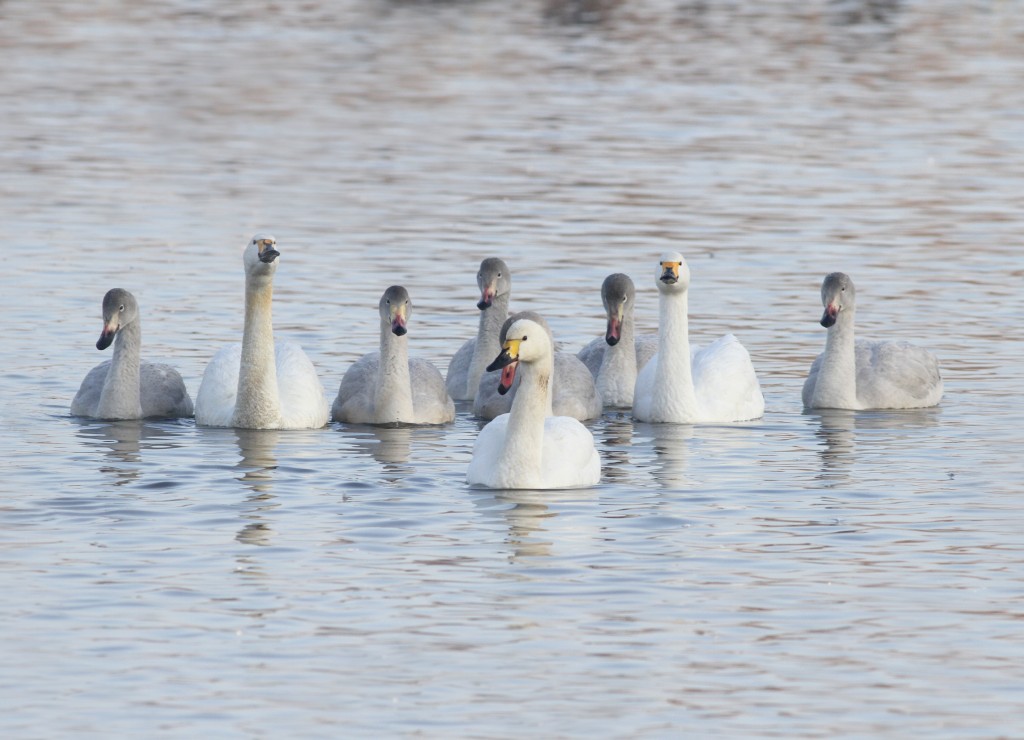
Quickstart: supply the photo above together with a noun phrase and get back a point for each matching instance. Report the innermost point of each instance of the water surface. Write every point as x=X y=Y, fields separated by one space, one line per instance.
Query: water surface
x=807 y=574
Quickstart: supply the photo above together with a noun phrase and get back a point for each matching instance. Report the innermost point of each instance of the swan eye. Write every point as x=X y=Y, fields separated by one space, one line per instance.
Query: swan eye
x=524 y=337
x=499 y=274
x=121 y=307
x=625 y=298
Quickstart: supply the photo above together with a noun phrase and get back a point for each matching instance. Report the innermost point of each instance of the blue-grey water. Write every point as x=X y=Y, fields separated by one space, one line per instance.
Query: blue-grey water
x=804 y=575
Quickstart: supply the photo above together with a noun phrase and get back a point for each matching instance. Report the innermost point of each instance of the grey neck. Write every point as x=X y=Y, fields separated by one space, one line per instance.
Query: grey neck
x=836 y=386
x=393 y=395
x=121 y=396
x=488 y=344
x=617 y=375
x=258 y=405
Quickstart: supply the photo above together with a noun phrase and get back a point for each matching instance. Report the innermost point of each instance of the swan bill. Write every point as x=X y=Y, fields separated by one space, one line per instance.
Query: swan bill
x=508 y=375
x=614 y=332
x=829 y=317
x=106 y=337
x=670 y=272
x=507 y=361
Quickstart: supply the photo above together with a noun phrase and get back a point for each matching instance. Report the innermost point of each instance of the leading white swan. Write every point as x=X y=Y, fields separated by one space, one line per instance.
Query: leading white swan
x=689 y=386
x=615 y=359
x=125 y=387
x=259 y=384
x=528 y=448
x=855 y=374
x=387 y=387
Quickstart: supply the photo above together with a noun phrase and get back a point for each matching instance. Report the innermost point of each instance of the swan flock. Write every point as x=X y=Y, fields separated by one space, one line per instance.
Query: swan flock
x=534 y=396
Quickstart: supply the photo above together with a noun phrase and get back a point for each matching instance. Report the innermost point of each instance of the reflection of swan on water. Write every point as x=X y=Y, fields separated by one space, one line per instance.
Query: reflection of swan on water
x=839 y=430
x=670 y=443
x=838 y=444
x=258 y=461
x=389 y=446
x=524 y=512
x=122 y=443
x=257 y=464
x=615 y=442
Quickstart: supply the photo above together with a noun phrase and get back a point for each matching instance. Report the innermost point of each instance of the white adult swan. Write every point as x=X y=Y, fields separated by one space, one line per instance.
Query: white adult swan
x=615 y=359
x=685 y=385
x=257 y=384
x=124 y=387
x=528 y=448
x=387 y=387
x=857 y=374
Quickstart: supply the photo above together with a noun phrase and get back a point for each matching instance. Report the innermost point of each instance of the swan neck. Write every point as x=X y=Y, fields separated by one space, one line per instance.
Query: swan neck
x=488 y=344
x=617 y=375
x=836 y=386
x=121 y=394
x=393 y=395
x=674 y=392
x=258 y=404
x=525 y=436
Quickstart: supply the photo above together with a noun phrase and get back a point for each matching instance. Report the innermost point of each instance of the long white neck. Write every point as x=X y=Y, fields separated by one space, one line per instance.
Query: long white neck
x=524 y=438
x=674 y=398
x=617 y=376
x=120 y=397
x=487 y=345
x=258 y=405
x=836 y=386
x=393 y=397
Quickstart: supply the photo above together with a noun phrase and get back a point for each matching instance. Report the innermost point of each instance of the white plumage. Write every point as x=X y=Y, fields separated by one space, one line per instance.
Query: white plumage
x=528 y=448
x=261 y=384
x=715 y=384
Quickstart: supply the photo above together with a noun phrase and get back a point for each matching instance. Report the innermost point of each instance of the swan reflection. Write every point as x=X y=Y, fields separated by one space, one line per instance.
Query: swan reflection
x=838 y=432
x=670 y=443
x=258 y=466
x=122 y=443
x=616 y=443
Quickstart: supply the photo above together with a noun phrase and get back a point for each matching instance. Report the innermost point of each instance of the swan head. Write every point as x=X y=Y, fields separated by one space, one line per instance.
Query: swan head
x=119 y=310
x=395 y=309
x=673 y=275
x=525 y=337
x=493 y=279
x=617 y=294
x=837 y=294
x=260 y=256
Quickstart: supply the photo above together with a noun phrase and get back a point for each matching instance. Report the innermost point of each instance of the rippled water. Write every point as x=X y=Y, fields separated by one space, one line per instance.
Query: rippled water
x=808 y=574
